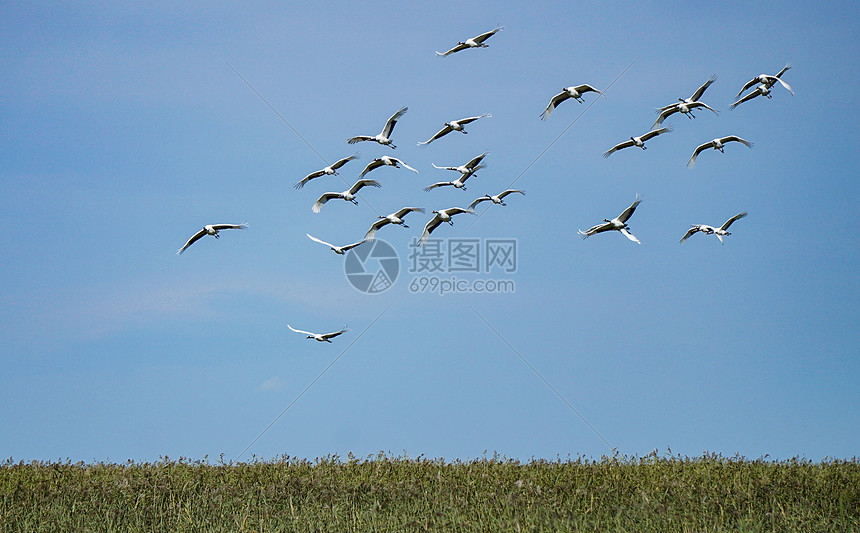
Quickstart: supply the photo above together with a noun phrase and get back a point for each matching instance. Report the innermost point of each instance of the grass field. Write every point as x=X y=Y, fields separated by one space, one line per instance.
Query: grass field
x=654 y=493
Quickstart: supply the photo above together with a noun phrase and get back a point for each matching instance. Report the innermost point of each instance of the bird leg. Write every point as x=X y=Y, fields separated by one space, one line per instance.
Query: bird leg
x=217 y=236
x=404 y=225
x=354 y=201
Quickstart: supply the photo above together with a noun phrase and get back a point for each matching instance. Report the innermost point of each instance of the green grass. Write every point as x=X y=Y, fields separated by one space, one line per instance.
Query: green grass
x=654 y=493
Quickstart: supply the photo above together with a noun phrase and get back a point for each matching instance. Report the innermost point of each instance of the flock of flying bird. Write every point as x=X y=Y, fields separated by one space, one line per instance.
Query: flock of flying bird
x=685 y=106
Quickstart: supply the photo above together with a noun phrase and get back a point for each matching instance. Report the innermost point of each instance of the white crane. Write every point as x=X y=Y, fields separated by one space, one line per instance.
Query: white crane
x=637 y=141
x=497 y=199
x=472 y=166
x=710 y=230
x=717 y=144
x=618 y=224
x=339 y=250
x=459 y=183
x=385 y=161
x=696 y=95
x=682 y=107
x=210 y=229
x=383 y=138
x=393 y=218
x=474 y=42
x=329 y=170
x=768 y=81
x=574 y=91
x=319 y=337
x=454 y=125
x=348 y=195
x=442 y=215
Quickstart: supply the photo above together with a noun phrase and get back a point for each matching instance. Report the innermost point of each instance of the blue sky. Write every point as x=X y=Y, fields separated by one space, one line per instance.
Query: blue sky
x=124 y=130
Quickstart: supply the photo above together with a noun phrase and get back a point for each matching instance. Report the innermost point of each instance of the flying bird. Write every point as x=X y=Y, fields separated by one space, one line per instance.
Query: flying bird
x=574 y=91
x=459 y=183
x=768 y=81
x=385 y=161
x=339 y=250
x=683 y=107
x=393 y=218
x=443 y=215
x=472 y=166
x=716 y=144
x=329 y=170
x=474 y=42
x=497 y=199
x=348 y=195
x=696 y=95
x=210 y=229
x=454 y=125
x=320 y=337
x=383 y=138
x=710 y=230
x=637 y=141
x=617 y=224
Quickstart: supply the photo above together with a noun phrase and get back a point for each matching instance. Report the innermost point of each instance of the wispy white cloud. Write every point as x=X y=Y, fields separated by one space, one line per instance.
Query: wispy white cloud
x=272 y=384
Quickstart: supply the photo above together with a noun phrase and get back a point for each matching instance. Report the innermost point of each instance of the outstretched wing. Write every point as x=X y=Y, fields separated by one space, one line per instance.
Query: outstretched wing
x=692 y=162
x=194 y=238
x=451 y=211
x=746 y=86
x=389 y=126
x=599 y=228
x=376 y=163
x=703 y=104
x=219 y=227
x=784 y=69
x=457 y=48
x=406 y=210
x=479 y=200
x=586 y=88
x=664 y=114
x=341 y=162
x=701 y=90
x=510 y=191
x=475 y=161
x=371 y=233
x=438 y=184
x=731 y=138
x=619 y=146
x=687 y=235
x=323 y=199
x=484 y=36
x=363 y=183
x=629 y=235
x=300 y=330
x=359 y=138
x=729 y=221
x=405 y=165
x=654 y=133
x=336 y=333
x=441 y=133
x=311 y=237
x=748 y=97
x=309 y=177
x=428 y=229
x=627 y=213
x=467 y=120
x=557 y=99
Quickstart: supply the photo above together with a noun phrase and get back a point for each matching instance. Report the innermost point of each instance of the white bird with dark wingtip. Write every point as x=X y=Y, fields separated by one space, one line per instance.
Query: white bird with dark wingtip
x=442 y=215
x=717 y=144
x=210 y=229
x=574 y=91
x=454 y=125
x=696 y=95
x=617 y=224
x=339 y=250
x=474 y=42
x=383 y=138
x=383 y=162
x=348 y=195
x=329 y=170
x=472 y=166
x=637 y=141
x=497 y=199
x=761 y=90
x=393 y=218
x=768 y=81
x=683 y=107
x=319 y=337
x=710 y=230
x=459 y=183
